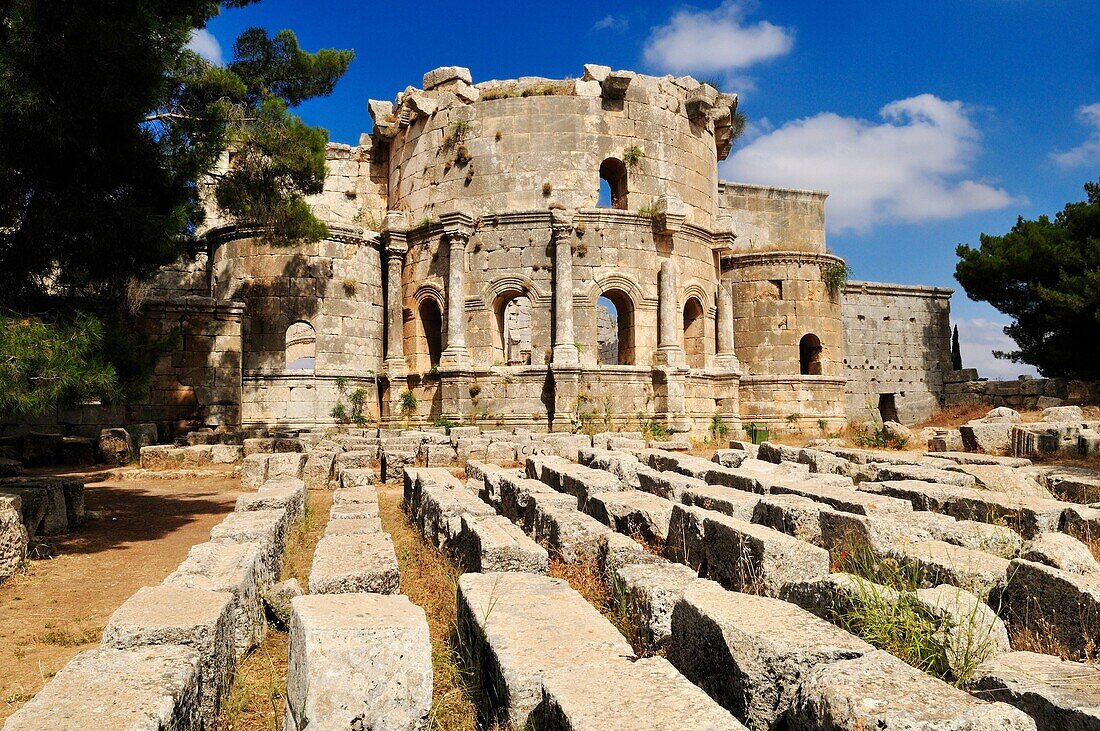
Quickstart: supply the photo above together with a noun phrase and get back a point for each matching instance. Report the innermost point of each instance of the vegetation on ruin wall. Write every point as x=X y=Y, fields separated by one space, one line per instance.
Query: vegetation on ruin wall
x=108 y=126
x=1045 y=275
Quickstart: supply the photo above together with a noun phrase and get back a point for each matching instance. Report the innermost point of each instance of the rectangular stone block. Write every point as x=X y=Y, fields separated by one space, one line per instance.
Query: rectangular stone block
x=345 y=564
x=288 y=496
x=139 y=689
x=652 y=591
x=1053 y=603
x=633 y=513
x=269 y=528
x=1057 y=693
x=685 y=537
x=179 y=615
x=726 y=500
x=496 y=544
x=754 y=559
x=847 y=499
x=358 y=661
x=570 y=533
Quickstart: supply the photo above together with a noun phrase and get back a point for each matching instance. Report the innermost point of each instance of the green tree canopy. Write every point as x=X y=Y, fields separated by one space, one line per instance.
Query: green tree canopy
x=109 y=126
x=1045 y=274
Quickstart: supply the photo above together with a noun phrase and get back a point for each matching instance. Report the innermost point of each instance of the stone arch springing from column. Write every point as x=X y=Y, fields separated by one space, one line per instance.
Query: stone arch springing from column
x=809 y=355
x=615 y=337
x=301 y=347
x=613 y=184
x=694 y=333
x=428 y=329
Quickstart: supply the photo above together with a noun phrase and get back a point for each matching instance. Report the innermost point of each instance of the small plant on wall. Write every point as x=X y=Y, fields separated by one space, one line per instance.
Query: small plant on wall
x=408 y=405
x=719 y=430
x=835 y=276
x=352 y=411
x=632 y=156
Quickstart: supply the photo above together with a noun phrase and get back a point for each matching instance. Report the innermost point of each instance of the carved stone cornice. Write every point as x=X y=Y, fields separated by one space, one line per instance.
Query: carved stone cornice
x=760 y=258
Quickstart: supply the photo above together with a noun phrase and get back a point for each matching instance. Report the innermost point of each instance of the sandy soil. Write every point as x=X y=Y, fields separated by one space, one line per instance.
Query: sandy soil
x=140 y=532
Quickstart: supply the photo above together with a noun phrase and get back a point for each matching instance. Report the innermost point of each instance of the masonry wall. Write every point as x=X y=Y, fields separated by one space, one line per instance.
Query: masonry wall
x=897 y=340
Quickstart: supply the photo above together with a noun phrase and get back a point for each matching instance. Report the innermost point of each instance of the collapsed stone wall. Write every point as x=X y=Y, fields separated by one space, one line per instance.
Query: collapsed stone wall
x=962 y=388
x=897 y=349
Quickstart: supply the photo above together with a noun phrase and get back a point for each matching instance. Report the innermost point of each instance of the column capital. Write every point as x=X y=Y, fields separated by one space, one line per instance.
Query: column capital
x=457 y=226
x=561 y=223
x=395 y=232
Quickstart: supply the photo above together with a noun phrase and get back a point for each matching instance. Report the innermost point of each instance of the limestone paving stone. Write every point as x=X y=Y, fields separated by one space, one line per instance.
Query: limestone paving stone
x=653 y=591
x=633 y=513
x=344 y=564
x=178 y=615
x=238 y=570
x=266 y=527
x=1058 y=694
x=747 y=557
x=358 y=661
x=878 y=691
x=138 y=689
x=518 y=627
x=750 y=653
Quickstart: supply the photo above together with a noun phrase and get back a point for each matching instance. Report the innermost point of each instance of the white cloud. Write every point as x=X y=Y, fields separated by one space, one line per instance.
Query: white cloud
x=1089 y=150
x=611 y=22
x=206 y=45
x=911 y=167
x=715 y=41
x=978 y=338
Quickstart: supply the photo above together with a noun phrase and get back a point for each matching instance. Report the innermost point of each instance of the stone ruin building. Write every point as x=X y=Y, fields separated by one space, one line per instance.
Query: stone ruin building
x=521 y=253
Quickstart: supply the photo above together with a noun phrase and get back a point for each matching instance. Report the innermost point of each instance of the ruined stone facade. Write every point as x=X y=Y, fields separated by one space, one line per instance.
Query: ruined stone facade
x=474 y=271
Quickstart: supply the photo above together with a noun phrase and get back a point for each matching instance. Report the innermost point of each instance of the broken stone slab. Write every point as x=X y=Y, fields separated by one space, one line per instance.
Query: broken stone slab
x=620 y=464
x=180 y=615
x=442 y=75
x=1053 y=604
x=13 y=535
x=516 y=627
x=1062 y=552
x=847 y=499
x=319 y=470
x=633 y=513
x=289 y=497
x=345 y=564
x=269 y=528
x=750 y=653
x=988 y=437
x=669 y=485
x=1057 y=693
x=620 y=695
x=238 y=570
x=114 y=446
x=596 y=72
x=652 y=591
x=394 y=461
x=496 y=544
x=979 y=459
x=754 y=559
x=1008 y=480
x=878 y=691
x=358 y=661
x=138 y=689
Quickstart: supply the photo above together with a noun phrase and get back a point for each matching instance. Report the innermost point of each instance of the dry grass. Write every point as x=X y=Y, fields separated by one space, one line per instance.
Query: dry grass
x=951 y=416
x=1039 y=637
x=255 y=701
x=429 y=578
x=69 y=638
x=598 y=590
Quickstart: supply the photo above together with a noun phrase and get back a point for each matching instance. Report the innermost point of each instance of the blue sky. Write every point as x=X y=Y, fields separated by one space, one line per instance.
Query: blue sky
x=928 y=122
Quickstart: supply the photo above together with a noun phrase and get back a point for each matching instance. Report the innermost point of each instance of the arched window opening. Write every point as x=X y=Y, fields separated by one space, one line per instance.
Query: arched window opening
x=694 y=338
x=613 y=179
x=301 y=347
x=513 y=313
x=431 y=334
x=809 y=355
x=614 y=329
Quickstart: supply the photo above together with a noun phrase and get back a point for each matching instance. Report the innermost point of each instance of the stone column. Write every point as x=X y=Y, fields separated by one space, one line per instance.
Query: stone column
x=726 y=357
x=669 y=350
x=455 y=355
x=395 y=328
x=565 y=347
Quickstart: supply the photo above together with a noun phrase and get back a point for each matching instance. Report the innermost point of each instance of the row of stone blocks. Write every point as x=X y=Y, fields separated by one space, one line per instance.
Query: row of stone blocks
x=656 y=587
x=168 y=653
x=35 y=506
x=360 y=655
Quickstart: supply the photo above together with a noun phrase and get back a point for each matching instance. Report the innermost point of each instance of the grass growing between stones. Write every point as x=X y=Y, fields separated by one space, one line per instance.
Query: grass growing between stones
x=604 y=594
x=430 y=579
x=255 y=700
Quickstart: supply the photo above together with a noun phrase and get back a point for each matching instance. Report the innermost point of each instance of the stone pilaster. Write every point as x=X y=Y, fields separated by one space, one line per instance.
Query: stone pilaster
x=395 y=237
x=726 y=358
x=565 y=346
x=457 y=229
x=669 y=350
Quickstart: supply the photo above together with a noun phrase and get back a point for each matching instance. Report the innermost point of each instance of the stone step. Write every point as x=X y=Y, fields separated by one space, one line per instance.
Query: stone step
x=140 y=689
x=652 y=591
x=345 y=564
x=496 y=544
x=358 y=661
x=269 y=528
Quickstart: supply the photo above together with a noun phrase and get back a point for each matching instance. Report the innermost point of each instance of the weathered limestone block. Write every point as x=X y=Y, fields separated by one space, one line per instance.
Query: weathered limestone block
x=653 y=591
x=445 y=74
x=776 y=453
x=621 y=465
x=41 y=448
x=254 y=470
x=572 y=534
x=614 y=550
x=340 y=512
x=754 y=559
x=440 y=514
x=750 y=653
x=159 y=457
x=179 y=615
x=439 y=455
x=1054 y=603
x=568 y=446
x=581 y=482
x=988 y=437
x=226 y=453
x=730 y=457
x=833 y=596
x=394 y=461
x=353 y=526
x=319 y=470
x=878 y=691
x=847 y=499
x=633 y=513
x=1075 y=485
x=726 y=500
x=686 y=534
x=13 y=535
x=31 y=504
x=77 y=451
x=620 y=695
x=937 y=562
x=139 y=689
x=516 y=497
x=496 y=544
x=1057 y=693
x=791 y=514
x=669 y=485
x=823 y=462
x=1062 y=413
x=358 y=661
x=43 y=503
x=288 y=496
x=1062 y=552
x=238 y=570
x=355 y=460
x=354 y=563
x=258 y=445
x=285 y=464
x=517 y=627
x=968 y=628
x=887 y=472
x=972 y=458
x=269 y=528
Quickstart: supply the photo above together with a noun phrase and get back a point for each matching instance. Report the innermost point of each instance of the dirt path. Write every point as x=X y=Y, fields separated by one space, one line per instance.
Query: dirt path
x=140 y=533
